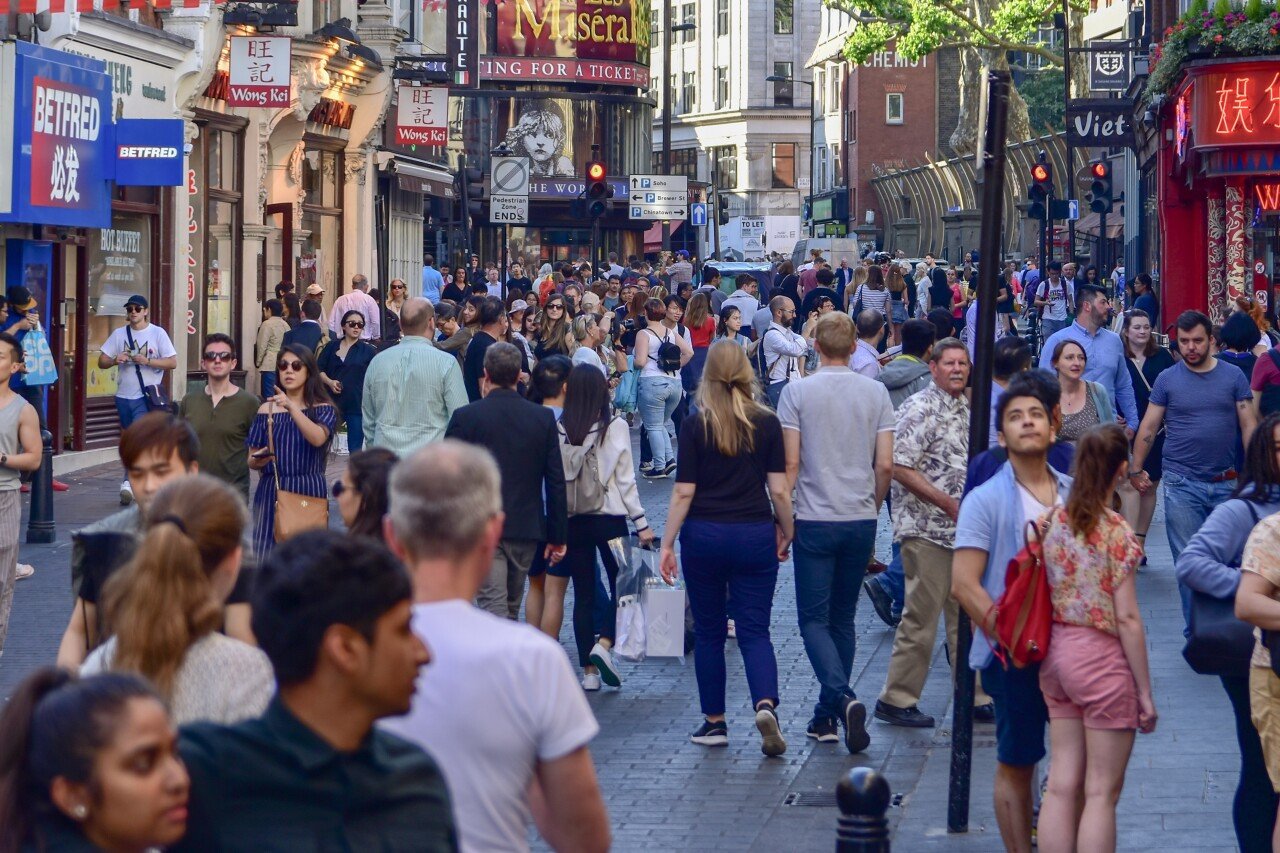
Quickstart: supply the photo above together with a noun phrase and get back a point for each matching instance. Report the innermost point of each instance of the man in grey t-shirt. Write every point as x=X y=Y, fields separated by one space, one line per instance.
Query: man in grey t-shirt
x=837 y=427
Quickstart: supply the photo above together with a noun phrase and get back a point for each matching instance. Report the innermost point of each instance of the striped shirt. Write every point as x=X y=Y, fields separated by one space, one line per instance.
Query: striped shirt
x=410 y=392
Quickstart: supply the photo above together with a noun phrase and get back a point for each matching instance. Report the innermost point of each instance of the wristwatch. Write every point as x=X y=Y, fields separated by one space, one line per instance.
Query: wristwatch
x=1137 y=473
x=4 y=460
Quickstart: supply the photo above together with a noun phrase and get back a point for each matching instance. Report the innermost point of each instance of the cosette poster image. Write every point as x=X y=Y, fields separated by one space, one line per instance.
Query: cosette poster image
x=543 y=130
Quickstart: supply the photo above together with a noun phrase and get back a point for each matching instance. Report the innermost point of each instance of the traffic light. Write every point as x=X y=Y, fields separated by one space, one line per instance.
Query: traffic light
x=470 y=184
x=1040 y=190
x=1100 y=190
x=722 y=208
x=598 y=190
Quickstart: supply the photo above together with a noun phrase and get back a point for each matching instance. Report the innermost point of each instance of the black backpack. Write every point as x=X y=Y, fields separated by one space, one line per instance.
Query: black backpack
x=667 y=356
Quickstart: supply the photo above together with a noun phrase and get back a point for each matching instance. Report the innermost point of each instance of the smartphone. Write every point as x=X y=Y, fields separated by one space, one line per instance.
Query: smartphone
x=264 y=453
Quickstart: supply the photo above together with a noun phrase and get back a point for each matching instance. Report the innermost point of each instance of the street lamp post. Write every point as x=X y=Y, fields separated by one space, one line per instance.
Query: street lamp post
x=813 y=121
x=501 y=151
x=668 y=95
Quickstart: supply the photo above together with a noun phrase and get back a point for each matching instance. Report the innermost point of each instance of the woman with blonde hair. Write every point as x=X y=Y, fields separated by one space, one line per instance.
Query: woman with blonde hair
x=164 y=608
x=731 y=537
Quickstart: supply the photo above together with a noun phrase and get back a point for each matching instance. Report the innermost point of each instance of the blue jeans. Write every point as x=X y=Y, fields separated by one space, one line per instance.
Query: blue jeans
x=1187 y=503
x=130 y=410
x=893 y=580
x=268 y=383
x=1048 y=327
x=657 y=399
x=738 y=561
x=830 y=561
x=355 y=432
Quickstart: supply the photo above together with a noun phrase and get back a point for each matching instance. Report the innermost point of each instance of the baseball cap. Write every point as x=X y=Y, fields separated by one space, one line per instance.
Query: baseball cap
x=136 y=299
x=314 y=290
x=682 y=254
x=19 y=298
x=518 y=305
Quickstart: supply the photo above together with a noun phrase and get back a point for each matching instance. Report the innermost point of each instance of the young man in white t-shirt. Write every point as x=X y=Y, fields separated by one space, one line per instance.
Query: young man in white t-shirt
x=500 y=709
x=142 y=352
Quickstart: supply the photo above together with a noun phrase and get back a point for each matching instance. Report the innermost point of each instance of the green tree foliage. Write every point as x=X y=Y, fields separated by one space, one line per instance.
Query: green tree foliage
x=1042 y=90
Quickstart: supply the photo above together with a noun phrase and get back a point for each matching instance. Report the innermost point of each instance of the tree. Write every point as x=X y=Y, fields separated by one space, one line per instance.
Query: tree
x=1042 y=90
x=986 y=33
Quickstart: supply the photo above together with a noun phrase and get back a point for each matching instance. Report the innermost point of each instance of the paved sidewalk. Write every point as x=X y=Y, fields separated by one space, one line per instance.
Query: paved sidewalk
x=666 y=793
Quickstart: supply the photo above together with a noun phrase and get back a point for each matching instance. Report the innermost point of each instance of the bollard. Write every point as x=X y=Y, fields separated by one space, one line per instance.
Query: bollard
x=40 y=529
x=863 y=796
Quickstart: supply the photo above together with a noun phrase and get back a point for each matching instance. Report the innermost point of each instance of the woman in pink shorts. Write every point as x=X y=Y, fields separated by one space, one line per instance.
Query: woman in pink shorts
x=1095 y=678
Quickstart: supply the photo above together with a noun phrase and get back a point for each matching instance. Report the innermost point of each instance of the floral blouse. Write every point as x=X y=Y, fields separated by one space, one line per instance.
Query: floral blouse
x=1262 y=557
x=1085 y=571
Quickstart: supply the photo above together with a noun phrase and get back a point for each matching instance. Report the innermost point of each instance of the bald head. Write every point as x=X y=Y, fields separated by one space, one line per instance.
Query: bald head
x=780 y=306
x=416 y=316
x=441 y=500
x=870 y=323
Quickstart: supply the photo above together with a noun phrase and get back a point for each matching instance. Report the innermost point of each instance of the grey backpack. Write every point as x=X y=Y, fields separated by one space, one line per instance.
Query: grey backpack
x=583 y=487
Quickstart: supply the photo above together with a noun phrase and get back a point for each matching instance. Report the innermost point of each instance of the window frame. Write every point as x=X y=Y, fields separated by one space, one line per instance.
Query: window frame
x=725 y=159
x=722 y=87
x=779 y=99
x=902 y=108
x=784 y=25
x=775 y=161
x=722 y=17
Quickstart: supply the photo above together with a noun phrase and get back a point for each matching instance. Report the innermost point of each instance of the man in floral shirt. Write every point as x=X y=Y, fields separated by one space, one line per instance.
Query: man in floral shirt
x=930 y=457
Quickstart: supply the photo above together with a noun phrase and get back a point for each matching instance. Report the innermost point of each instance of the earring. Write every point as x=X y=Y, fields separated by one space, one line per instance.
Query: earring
x=80 y=812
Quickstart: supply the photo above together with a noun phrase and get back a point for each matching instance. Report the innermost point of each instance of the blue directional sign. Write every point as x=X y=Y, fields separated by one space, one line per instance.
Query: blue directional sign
x=698 y=213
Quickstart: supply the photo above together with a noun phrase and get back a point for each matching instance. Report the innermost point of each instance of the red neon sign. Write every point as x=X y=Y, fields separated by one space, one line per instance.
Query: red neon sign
x=1238 y=107
x=1268 y=195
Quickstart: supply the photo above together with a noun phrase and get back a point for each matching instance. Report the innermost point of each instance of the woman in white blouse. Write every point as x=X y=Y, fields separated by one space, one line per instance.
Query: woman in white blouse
x=165 y=606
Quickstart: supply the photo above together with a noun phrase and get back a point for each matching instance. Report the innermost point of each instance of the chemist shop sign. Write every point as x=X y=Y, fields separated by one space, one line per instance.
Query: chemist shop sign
x=62 y=162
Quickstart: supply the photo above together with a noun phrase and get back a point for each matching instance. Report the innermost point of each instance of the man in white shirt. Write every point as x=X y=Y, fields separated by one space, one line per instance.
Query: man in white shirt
x=835 y=414
x=1055 y=299
x=746 y=298
x=493 y=282
x=143 y=353
x=780 y=347
x=357 y=300
x=499 y=709
x=866 y=355
x=614 y=267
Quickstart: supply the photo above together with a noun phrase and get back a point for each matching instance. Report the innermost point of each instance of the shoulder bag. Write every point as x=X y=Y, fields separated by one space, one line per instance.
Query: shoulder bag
x=1218 y=643
x=156 y=399
x=295 y=513
x=1024 y=612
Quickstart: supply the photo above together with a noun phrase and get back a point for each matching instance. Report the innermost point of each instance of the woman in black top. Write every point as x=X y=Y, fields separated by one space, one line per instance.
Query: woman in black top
x=731 y=538
x=788 y=286
x=1146 y=360
x=343 y=364
x=456 y=290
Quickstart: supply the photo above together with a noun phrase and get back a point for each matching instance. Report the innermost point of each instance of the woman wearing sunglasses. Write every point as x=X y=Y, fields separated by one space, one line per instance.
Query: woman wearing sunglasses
x=342 y=366
x=361 y=494
x=554 y=336
x=391 y=316
x=302 y=421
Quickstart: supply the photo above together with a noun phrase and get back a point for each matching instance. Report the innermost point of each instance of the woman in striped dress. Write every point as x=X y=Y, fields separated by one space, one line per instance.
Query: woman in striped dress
x=303 y=419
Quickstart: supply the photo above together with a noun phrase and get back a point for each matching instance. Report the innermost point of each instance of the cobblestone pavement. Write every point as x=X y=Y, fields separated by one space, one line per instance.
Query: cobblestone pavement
x=666 y=793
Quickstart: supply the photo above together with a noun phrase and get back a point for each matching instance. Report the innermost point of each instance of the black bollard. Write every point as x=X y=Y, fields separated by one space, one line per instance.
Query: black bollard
x=40 y=528
x=863 y=796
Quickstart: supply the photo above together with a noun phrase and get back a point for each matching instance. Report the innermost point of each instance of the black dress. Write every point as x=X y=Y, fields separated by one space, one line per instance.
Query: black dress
x=1143 y=380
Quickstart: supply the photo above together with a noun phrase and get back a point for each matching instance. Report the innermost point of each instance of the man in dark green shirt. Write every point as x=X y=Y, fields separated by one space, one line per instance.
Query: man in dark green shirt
x=313 y=773
x=221 y=414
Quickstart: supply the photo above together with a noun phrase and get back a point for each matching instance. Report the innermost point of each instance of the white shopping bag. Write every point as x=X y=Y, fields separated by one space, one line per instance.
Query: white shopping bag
x=664 y=618
x=629 y=643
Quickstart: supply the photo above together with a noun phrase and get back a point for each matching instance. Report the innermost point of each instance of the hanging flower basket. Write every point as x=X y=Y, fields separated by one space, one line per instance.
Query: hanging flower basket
x=1227 y=30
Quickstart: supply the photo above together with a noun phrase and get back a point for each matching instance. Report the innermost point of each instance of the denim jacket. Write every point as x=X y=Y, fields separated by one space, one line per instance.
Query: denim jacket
x=991 y=521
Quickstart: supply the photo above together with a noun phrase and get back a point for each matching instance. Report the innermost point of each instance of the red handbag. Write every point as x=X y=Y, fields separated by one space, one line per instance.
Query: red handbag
x=1024 y=612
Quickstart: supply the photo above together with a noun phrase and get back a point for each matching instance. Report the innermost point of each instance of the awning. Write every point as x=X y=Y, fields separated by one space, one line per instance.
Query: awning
x=653 y=237
x=1090 y=221
x=421 y=178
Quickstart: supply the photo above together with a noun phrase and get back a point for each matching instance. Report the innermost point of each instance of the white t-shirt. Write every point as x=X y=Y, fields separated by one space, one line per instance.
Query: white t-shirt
x=655 y=334
x=1057 y=295
x=153 y=342
x=497 y=698
x=587 y=355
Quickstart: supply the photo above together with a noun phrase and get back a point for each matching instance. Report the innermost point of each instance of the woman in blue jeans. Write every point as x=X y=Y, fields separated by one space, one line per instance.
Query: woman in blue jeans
x=659 y=390
x=731 y=539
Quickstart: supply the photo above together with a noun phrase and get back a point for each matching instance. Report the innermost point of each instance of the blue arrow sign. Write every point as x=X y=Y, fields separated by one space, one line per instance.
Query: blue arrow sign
x=698 y=213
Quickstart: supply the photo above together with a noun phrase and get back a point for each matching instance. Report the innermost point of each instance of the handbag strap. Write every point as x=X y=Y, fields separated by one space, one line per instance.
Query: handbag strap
x=274 y=462
x=128 y=333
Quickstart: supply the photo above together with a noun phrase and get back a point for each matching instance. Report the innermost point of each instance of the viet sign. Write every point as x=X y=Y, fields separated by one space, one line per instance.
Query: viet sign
x=605 y=42
x=1108 y=65
x=1238 y=105
x=259 y=75
x=1100 y=123
x=422 y=116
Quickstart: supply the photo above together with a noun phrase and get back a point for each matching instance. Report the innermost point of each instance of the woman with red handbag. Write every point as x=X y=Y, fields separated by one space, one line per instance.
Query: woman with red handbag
x=1095 y=677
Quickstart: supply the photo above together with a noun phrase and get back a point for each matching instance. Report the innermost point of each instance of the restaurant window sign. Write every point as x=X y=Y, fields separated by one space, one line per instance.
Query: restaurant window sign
x=1236 y=105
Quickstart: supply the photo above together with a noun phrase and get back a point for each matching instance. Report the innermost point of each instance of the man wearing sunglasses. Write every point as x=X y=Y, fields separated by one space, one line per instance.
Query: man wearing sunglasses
x=221 y=414
x=143 y=352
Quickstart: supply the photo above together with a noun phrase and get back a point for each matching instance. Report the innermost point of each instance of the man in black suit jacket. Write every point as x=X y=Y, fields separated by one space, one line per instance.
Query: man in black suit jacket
x=309 y=333
x=509 y=426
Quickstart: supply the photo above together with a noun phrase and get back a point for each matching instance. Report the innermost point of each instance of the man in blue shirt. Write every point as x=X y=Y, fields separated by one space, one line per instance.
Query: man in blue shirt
x=432 y=281
x=988 y=536
x=1103 y=350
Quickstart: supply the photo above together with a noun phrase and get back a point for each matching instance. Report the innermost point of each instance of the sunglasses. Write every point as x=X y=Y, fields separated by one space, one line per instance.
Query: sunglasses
x=288 y=366
x=354 y=325
x=397 y=287
x=555 y=307
x=218 y=356
x=134 y=309
x=338 y=488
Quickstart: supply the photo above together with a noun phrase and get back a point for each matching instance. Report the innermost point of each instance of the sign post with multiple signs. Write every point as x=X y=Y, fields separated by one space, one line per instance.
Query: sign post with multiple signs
x=422 y=116
x=259 y=74
x=658 y=197
x=509 y=191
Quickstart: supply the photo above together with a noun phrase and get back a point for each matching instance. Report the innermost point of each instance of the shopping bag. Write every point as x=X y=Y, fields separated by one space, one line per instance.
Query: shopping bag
x=38 y=358
x=635 y=567
x=624 y=396
x=663 y=606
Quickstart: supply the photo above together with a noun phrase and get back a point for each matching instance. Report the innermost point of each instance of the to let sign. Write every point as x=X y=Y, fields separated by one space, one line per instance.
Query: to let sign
x=422 y=116
x=1237 y=107
x=259 y=75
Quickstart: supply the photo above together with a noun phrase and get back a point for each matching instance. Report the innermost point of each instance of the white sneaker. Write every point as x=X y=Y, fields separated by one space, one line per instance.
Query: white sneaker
x=25 y=570
x=603 y=661
x=126 y=493
x=591 y=682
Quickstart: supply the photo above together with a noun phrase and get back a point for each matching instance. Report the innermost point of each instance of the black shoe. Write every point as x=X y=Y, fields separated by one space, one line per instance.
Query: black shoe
x=984 y=713
x=856 y=738
x=881 y=602
x=912 y=718
x=670 y=469
x=773 y=743
x=711 y=734
x=652 y=473
x=823 y=730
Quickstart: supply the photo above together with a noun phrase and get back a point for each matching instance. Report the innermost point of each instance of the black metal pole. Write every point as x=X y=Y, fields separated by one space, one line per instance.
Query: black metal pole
x=502 y=253
x=40 y=526
x=1070 y=178
x=863 y=796
x=668 y=92
x=980 y=421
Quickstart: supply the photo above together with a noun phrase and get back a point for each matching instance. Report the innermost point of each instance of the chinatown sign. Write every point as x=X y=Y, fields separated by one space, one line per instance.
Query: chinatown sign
x=422 y=115
x=259 y=73
x=596 y=41
x=1236 y=105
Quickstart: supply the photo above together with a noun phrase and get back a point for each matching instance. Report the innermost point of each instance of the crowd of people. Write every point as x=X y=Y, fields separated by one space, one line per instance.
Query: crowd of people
x=236 y=671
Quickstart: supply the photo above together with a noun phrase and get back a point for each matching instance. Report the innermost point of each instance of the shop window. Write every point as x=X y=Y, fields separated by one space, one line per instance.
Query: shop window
x=121 y=264
x=320 y=256
x=212 y=255
x=893 y=109
x=784 y=165
x=783 y=17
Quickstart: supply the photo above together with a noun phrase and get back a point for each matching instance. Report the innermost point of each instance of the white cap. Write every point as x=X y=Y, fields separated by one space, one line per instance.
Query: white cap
x=518 y=305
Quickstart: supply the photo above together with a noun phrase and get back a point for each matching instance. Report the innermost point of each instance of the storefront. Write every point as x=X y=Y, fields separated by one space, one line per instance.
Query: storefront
x=1219 y=186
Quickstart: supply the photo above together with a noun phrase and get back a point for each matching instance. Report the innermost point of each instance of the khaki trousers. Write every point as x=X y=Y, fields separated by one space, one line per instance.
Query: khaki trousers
x=927 y=568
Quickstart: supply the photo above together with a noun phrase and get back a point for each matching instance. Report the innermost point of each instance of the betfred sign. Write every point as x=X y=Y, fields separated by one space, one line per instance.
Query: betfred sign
x=259 y=74
x=149 y=152
x=422 y=115
x=66 y=126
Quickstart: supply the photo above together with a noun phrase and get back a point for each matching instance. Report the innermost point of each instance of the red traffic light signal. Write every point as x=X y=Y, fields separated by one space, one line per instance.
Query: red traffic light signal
x=596 y=171
x=1040 y=173
x=1100 y=169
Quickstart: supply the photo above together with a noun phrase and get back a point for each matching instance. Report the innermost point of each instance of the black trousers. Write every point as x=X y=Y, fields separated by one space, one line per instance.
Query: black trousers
x=589 y=535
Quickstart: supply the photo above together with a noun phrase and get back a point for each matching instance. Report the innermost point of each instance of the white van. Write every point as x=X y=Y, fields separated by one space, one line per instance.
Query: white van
x=834 y=250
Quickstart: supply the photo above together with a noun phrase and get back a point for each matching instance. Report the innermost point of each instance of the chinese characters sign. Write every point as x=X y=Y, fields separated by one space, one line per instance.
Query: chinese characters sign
x=65 y=128
x=259 y=74
x=422 y=116
x=1238 y=107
